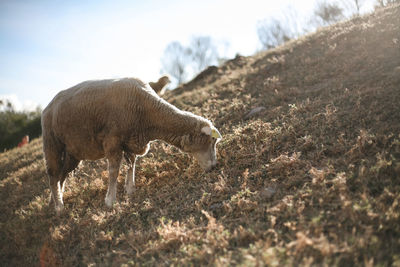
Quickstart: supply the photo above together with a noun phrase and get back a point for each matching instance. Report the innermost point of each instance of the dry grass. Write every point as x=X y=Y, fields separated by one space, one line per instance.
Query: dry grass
x=313 y=179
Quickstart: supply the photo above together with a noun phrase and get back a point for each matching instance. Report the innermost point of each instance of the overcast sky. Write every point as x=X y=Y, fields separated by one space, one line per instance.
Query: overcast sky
x=48 y=46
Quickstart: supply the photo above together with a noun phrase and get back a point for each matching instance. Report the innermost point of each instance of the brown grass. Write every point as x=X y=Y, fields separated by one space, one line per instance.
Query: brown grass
x=313 y=179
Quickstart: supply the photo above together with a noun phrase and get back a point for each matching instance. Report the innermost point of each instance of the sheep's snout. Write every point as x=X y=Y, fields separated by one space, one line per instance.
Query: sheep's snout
x=207 y=160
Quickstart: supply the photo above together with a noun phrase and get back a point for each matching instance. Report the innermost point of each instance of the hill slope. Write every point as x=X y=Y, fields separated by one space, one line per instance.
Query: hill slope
x=311 y=178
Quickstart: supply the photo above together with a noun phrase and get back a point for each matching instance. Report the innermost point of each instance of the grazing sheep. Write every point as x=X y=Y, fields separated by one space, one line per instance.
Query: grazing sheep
x=160 y=86
x=115 y=119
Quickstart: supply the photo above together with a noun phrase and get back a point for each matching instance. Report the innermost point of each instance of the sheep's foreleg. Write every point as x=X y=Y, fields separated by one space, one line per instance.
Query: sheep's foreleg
x=56 y=195
x=130 y=177
x=113 y=170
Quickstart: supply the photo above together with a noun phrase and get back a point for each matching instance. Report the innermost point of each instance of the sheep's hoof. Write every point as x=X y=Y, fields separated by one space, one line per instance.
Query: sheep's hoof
x=59 y=210
x=109 y=202
x=130 y=190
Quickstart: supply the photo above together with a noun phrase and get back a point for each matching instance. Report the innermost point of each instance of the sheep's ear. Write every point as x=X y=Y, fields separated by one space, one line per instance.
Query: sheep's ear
x=206 y=130
x=215 y=134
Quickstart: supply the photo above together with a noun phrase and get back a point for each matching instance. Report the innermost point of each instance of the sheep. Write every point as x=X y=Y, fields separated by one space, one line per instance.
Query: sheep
x=115 y=119
x=160 y=86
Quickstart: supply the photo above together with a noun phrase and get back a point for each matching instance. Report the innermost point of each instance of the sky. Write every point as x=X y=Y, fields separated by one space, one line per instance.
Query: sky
x=50 y=45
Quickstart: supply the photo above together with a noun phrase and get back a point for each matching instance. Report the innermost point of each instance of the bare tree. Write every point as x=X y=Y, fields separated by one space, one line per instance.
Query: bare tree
x=203 y=53
x=175 y=60
x=181 y=62
x=382 y=3
x=358 y=4
x=273 y=33
x=352 y=6
x=327 y=13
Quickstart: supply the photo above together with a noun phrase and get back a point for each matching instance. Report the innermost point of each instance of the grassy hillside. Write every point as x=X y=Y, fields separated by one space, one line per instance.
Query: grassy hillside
x=312 y=178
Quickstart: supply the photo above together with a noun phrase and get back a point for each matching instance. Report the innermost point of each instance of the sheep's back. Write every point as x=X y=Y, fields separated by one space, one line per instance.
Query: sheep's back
x=86 y=113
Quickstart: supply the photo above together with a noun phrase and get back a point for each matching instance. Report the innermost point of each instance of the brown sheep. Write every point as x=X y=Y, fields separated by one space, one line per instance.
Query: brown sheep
x=115 y=119
x=160 y=86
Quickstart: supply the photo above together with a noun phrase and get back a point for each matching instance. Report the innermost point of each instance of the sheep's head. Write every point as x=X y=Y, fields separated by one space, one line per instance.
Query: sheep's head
x=164 y=80
x=203 y=146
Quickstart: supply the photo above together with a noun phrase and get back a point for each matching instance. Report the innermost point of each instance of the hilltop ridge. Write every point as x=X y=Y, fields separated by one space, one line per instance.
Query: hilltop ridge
x=311 y=178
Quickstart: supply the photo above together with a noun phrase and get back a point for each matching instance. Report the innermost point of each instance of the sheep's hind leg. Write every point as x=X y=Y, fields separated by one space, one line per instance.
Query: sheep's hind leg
x=57 y=182
x=69 y=164
x=56 y=194
x=53 y=153
x=113 y=170
x=130 y=177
